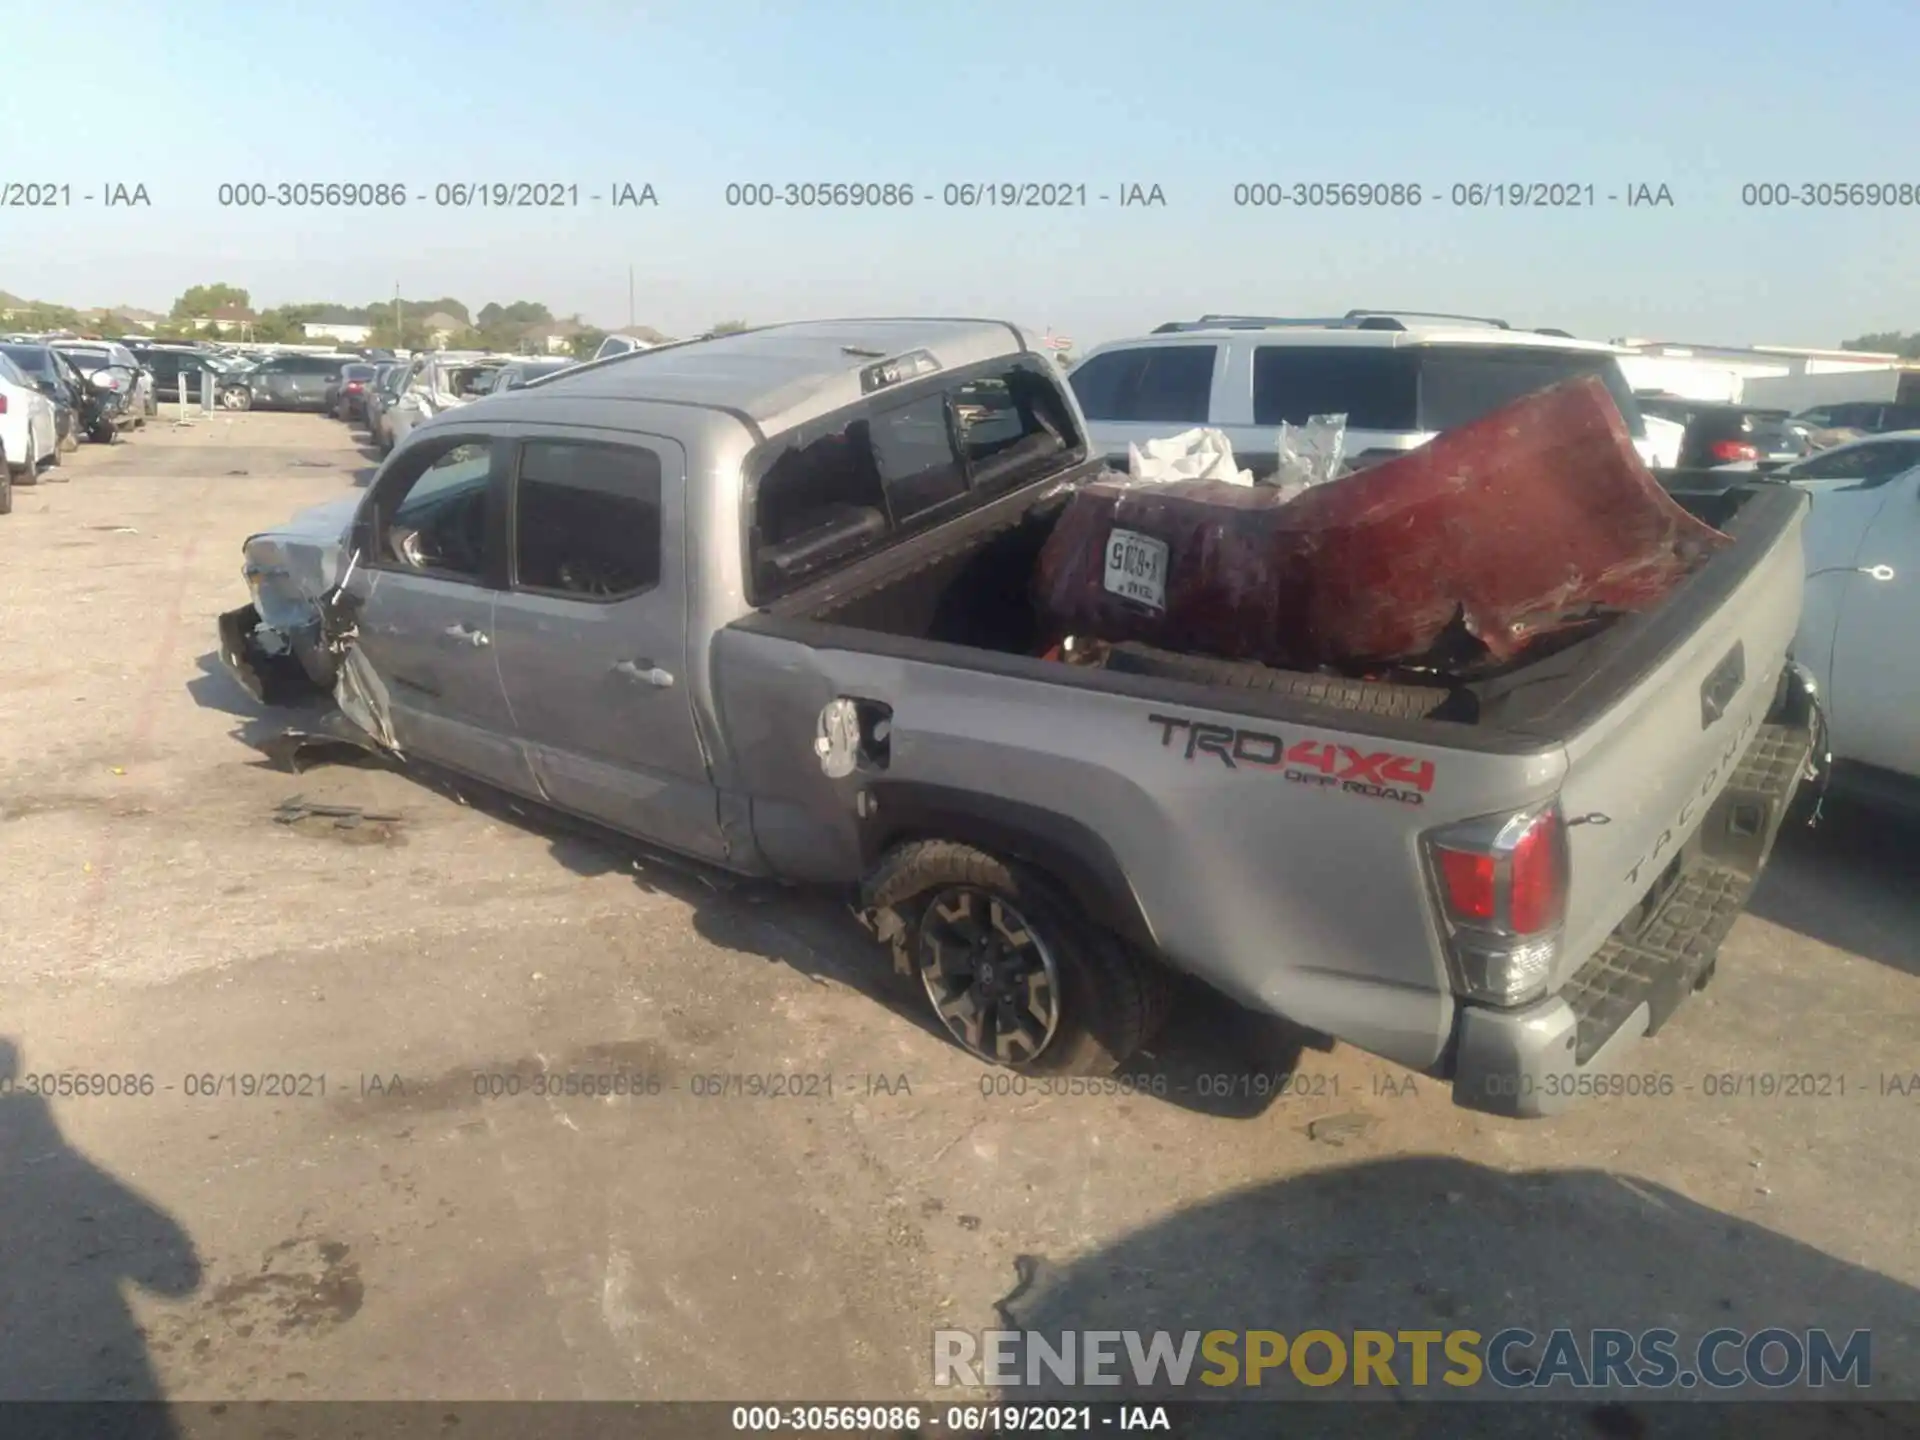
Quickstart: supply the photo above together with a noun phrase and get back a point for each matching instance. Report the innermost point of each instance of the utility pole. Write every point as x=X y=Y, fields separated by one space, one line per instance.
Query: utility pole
x=632 y=320
x=399 y=325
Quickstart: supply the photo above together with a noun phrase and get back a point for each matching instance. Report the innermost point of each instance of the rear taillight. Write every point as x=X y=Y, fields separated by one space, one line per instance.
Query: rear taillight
x=1501 y=885
x=1735 y=450
x=3 y=404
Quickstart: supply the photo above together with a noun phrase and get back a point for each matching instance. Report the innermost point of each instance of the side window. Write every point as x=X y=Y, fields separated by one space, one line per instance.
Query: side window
x=1860 y=462
x=1376 y=389
x=1166 y=384
x=435 y=522
x=1887 y=461
x=914 y=452
x=586 y=520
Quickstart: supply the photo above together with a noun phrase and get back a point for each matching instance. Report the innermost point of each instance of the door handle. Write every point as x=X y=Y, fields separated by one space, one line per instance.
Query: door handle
x=644 y=670
x=476 y=638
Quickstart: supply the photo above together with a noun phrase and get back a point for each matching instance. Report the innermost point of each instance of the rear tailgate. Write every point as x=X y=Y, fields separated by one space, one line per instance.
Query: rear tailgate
x=1644 y=774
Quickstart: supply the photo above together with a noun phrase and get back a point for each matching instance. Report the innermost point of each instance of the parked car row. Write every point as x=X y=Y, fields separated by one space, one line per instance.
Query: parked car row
x=390 y=399
x=53 y=396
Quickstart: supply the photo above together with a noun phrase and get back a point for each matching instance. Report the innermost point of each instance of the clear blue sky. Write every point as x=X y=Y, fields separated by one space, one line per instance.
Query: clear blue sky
x=1194 y=96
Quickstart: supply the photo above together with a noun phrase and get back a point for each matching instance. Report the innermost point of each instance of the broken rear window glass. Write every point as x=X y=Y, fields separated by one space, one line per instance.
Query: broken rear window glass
x=914 y=451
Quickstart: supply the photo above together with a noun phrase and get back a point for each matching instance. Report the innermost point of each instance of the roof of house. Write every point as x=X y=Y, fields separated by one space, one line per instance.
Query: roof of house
x=441 y=320
x=556 y=329
x=232 y=313
x=781 y=376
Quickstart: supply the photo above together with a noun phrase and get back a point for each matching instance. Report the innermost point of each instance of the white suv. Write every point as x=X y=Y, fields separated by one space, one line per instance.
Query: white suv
x=1399 y=381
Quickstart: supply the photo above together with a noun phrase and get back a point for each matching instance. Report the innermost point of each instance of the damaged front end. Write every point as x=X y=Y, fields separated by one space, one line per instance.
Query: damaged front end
x=295 y=642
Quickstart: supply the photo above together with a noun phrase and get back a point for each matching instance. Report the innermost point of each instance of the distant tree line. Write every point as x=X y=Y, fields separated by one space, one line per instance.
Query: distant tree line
x=1907 y=347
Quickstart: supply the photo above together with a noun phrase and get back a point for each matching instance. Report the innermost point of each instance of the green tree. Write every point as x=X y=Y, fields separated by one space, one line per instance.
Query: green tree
x=205 y=299
x=520 y=315
x=38 y=315
x=586 y=342
x=1907 y=347
x=729 y=327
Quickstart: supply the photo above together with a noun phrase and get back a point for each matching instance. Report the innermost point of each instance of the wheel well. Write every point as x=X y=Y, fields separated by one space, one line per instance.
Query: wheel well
x=1071 y=853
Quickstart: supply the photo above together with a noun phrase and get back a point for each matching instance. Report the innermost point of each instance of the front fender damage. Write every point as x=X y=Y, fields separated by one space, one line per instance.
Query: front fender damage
x=272 y=664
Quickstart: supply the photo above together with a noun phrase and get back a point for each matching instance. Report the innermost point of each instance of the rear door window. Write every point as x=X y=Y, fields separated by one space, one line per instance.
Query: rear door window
x=586 y=520
x=1376 y=389
x=1157 y=384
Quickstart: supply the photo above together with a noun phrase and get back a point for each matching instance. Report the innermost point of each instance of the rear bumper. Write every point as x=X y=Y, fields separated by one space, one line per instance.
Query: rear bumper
x=1538 y=1059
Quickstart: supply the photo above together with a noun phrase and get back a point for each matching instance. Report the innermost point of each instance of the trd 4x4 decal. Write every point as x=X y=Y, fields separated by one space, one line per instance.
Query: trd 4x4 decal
x=1377 y=775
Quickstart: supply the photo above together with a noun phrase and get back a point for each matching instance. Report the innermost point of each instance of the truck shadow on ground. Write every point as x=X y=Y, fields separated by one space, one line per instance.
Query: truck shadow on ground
x=1245 y=1058
x=1848 y=883
x=1439 y=1244
x=1212 y=1056
x=75 y=1237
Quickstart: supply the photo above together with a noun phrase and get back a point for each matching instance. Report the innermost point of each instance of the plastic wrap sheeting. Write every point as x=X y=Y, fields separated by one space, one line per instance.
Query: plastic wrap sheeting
x=1537 y=517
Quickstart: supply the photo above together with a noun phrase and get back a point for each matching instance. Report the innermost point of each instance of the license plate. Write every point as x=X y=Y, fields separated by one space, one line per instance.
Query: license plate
x=1137 y=568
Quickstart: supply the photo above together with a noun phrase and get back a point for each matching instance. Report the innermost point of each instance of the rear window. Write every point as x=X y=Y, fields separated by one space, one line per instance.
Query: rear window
x=30 y=358
x=1458 y=386
x=1161 y=384
x=357 y=372
x=850 y=483
x=1418 y=388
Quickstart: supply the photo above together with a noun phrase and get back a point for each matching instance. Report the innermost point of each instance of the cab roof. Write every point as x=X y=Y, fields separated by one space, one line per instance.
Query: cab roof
x=781 y=376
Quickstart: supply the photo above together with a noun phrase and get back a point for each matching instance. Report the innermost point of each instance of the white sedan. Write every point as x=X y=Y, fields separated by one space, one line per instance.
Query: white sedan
x=1862 y=542
x=29 y=432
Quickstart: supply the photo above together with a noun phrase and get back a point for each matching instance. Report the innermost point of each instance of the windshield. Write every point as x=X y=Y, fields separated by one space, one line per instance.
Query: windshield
x=84 y=358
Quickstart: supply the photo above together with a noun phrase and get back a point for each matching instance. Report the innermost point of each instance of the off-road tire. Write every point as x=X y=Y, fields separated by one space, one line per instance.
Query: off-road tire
x=28 y=473
x=1367 y=697
x=1107 y=995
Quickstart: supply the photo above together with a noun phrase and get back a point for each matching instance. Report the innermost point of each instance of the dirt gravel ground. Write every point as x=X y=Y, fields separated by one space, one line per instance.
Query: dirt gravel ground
x=414 y=1220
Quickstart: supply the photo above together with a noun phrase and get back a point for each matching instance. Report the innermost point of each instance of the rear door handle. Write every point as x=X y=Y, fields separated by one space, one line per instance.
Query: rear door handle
x=476 y=638
x=645 y=670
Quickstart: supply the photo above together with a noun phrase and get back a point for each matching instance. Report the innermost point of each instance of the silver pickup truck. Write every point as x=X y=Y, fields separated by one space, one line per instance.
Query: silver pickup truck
x=764 y=600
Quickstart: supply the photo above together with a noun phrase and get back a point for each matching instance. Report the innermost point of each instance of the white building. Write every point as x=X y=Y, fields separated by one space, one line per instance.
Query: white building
x=1784 y=377
x=339 y=334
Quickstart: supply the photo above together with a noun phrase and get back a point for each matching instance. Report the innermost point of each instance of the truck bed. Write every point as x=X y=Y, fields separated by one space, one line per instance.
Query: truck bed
x=1285 y=890
x=963 y=594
